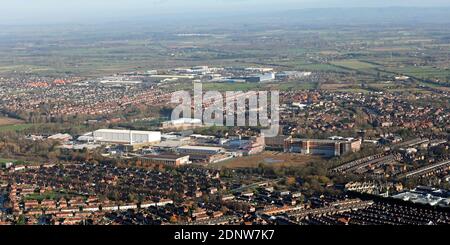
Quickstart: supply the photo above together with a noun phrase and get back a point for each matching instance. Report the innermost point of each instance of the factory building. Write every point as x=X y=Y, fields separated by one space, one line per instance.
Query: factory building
x=259 y=69
x=119 y=80
x=286 y=75
x=328 y=147
x=208 y=150
x=255 y=78
x=130 y=137
x=166 y=160
x=204 y=154
x=275 y=143
x=182 y=123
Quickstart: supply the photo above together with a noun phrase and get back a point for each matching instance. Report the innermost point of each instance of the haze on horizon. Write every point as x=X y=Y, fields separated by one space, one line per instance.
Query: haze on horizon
x=57 y=11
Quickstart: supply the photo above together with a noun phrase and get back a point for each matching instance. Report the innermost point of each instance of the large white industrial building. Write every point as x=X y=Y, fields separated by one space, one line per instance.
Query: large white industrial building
x=126 y=136
x=183 y=123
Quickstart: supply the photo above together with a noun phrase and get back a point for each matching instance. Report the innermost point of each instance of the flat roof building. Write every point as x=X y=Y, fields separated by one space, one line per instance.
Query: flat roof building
x=322 y=147
x=61 y=137
x=167 y=160
x=209 y=150
x=130 y=137
x=183 y=123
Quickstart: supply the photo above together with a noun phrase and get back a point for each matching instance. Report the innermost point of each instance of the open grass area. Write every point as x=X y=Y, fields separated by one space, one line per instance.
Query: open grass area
x=354 y=90
x=49 y=195
x=423 y=72
x=15 y=127
x=321 y=68
x=9 y=121
x=3 y=161
x=334 y=86
x=296 y=86
x=435 y=86
x=274 y=159
x=353 y=64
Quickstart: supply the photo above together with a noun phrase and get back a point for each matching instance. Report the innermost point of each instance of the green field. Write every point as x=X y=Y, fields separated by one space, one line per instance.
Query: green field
x=14 y=161
x=320 y=68
x=296 y=86
x=353 y=64
x=424 y=72
x=5 y=160
x=369 y=54
x=354 y=90
x=49 y=195
x=16 y=127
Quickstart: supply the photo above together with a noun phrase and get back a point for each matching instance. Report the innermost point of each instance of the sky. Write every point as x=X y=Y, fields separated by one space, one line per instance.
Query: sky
x=73 y=11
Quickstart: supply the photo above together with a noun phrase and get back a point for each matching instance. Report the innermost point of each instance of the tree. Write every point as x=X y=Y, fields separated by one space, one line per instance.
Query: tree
x=21 y=220
x=173 y=219
x=291 y=181
x=131 y=197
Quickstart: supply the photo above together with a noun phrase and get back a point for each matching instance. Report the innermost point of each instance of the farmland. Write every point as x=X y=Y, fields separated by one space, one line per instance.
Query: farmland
x=353 y=64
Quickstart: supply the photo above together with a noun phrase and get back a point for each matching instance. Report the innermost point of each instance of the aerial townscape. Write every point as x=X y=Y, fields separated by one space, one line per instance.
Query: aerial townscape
x=87 y=135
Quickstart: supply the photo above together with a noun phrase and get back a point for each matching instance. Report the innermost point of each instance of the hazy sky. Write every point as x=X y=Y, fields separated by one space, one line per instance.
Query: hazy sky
x=57 y=11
